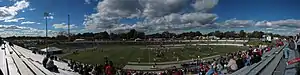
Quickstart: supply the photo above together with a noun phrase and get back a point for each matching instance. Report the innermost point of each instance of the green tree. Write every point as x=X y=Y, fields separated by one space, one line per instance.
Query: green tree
x=242 y=34
x=132 y=34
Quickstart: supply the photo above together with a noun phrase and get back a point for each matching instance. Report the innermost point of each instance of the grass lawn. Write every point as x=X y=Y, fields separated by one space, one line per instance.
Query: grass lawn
x=121 y=54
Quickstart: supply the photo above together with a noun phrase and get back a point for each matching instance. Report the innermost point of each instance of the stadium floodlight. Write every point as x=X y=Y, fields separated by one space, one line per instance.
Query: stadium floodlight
x=46 y=15
x=69 y=35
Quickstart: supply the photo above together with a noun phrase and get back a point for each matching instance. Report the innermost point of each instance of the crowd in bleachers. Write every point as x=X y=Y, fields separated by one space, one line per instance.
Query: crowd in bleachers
x=229 y=63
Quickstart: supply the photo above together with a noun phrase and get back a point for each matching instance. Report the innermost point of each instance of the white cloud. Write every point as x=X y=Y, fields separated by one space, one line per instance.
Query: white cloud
x=12 y=27
x=14 y=30
x=9 y=12
x=158 y=8
x=234 y=23
x=32 y=9
x=159 y=15
x=280 y=29
x=290 y=23
x=14 y=20
x=64 y=26
x=38 y=23
x=27 y=22
x=269 y=28
x=13 y=0
x=204 y=5
x=89 y=1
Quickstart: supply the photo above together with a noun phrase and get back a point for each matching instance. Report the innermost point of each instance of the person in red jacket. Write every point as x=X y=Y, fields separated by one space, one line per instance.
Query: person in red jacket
x=268 y=48
x=108 y=70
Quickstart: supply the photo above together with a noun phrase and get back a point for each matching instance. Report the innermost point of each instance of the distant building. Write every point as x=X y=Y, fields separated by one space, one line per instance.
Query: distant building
x=213 y=37
x=79 y=40
x=138 y=39
x=266 y=38
x=52 y=50
x=275 y=38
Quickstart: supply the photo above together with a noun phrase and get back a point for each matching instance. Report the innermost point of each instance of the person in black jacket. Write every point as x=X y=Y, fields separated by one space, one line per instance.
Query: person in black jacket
x=1 y=73
x=240 y=63
x=291 y=44
x=45 y=60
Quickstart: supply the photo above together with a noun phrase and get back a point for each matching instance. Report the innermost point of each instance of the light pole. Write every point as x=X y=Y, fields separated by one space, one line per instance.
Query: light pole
x=46 y=14
x=69 y=28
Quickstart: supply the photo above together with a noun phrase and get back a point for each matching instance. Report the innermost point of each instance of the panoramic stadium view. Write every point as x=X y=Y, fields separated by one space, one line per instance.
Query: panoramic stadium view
x=149 y=37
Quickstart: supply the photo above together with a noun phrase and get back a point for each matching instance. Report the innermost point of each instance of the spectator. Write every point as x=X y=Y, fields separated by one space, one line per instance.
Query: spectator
x=219 y=67
x=211 y=71
x=240 y=62
x=1 y=73
x=232 y=66
x=45 y=60
x=108 y=70
x=50 y=65
x=94 y=71
x=247 y=59
x=286 y=53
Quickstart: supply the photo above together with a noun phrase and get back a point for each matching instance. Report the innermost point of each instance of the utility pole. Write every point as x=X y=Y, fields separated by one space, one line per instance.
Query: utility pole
x=69 y=35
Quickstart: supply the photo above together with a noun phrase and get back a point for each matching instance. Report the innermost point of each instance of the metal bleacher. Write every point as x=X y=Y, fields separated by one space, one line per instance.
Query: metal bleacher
x=15 y=60
x=266 y=66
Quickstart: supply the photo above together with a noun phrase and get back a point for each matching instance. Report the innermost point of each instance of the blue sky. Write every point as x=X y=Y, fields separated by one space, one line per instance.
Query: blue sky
x=25 y=17
x=258 y=9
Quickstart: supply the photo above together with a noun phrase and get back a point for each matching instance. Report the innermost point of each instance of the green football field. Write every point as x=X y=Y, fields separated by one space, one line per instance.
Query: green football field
x=121 y=54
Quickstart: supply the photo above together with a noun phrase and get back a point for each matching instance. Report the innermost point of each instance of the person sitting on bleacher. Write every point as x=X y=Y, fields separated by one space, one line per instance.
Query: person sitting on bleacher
x=50 y=65
x=45 y=60
x=232 y=66
x=1 y=73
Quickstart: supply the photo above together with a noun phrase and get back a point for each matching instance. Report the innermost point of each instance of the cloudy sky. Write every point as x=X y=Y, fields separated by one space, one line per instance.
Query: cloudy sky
x=26 y=17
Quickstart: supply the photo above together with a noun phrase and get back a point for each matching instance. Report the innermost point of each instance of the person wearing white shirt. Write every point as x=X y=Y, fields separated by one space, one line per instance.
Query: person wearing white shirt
x=232 y=66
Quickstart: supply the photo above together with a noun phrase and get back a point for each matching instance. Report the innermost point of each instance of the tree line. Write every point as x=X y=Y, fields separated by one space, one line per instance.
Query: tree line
x=133 y=34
